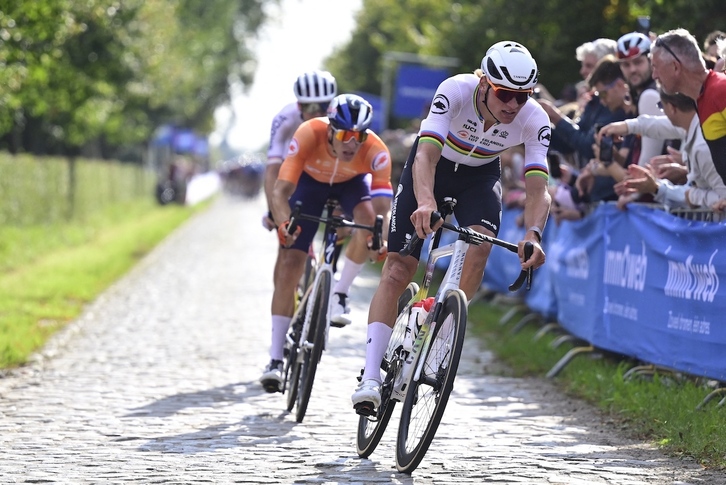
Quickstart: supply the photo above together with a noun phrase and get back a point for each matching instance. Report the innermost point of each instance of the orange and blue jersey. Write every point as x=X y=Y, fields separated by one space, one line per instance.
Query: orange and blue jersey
x=309 y=152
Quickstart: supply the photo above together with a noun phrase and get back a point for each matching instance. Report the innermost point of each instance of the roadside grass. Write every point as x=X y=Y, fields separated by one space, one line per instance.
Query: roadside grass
x=659 y=407
x=48 y=273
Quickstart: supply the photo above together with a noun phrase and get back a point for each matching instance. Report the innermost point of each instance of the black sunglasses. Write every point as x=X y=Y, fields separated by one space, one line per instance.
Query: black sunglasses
x=659 y=42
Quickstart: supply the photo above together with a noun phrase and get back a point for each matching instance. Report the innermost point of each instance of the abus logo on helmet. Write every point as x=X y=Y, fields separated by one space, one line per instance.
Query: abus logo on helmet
x=692 y=281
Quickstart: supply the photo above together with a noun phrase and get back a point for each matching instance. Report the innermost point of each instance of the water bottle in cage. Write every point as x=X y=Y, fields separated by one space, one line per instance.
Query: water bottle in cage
x=419 y=312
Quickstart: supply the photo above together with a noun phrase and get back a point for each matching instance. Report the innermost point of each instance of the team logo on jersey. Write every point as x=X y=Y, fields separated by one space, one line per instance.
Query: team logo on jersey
x=463 y=134
x=293 y=148
x=440 y=104
x=380 y=161
x=544 y=136
x=503 y=134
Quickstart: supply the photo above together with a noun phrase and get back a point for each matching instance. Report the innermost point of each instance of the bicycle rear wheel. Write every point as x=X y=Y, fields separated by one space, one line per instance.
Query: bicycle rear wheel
x=371 y=428
x=426 y=398
x=312 y=344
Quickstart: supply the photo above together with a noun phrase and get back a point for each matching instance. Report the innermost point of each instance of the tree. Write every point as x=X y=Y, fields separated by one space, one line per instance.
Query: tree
x=464 y=29
x=107 y=72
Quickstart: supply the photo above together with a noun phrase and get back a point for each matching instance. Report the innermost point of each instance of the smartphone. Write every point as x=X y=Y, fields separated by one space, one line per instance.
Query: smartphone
x=606 y=149
x=643 y=25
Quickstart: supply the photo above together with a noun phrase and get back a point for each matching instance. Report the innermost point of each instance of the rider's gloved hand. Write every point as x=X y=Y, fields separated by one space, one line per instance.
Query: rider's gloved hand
x=267 y=221
x=377 y=256
x=286 y=239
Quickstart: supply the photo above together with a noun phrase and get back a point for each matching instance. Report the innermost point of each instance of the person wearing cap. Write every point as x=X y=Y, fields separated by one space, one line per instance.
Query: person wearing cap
x=314 y=91
x=633 y=51
x=329 y=157
x=473 y=118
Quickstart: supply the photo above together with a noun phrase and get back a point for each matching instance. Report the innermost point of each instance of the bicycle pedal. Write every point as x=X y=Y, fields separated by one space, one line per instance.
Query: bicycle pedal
x=365 y=408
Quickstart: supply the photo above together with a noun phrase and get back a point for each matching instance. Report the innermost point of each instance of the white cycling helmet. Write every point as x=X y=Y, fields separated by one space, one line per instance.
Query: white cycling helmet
x=632 y=45
x=315 y=87
x=510 y=65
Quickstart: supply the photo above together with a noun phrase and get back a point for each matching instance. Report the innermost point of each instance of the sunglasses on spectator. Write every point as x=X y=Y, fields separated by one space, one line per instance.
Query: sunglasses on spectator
x=346 y=135
x=505 y=95
x=313 y=108
x=659 y=42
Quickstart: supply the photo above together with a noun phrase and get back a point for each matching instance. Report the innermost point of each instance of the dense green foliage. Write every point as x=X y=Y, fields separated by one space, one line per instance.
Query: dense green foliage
x=105 y=73
x=463 y=29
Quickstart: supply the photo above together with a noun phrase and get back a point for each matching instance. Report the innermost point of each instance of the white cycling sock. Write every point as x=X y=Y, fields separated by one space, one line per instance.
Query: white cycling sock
x=347 y=275
x=378 y=336
x=280 y=324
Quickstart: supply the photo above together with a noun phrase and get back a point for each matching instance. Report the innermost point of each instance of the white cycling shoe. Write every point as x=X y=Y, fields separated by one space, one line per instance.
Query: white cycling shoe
x=340 y=312
x=367 y=397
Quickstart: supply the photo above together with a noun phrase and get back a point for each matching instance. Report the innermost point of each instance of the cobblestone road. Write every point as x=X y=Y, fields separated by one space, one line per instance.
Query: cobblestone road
x=156 y=383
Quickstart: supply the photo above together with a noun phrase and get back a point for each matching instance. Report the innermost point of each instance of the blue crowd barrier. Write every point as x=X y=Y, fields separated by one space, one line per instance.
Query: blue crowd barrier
x=641 y=282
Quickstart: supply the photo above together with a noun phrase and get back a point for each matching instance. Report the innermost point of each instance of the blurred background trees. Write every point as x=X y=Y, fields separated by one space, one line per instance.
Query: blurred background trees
x=463 y=29
x=97 y=77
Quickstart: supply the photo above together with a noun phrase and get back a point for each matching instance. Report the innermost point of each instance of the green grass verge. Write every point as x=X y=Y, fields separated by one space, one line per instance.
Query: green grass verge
x=48 y=273
x=660 y=408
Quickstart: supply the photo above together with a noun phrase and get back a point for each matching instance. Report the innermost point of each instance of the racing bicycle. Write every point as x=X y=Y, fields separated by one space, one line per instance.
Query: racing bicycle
x=420 y=364
x=307 y=337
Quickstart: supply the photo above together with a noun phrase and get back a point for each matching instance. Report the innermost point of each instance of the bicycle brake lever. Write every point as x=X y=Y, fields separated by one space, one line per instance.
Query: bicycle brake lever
x=415 y=240
x=292 y=226
x=526 y=274
x=377 y=234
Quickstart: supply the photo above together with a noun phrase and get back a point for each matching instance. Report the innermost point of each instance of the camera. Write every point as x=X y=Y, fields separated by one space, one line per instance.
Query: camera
x=606 y=150
x=643 y=25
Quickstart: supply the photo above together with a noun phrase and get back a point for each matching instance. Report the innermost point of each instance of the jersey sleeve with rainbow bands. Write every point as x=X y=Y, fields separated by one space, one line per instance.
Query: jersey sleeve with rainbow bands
x=712 y=115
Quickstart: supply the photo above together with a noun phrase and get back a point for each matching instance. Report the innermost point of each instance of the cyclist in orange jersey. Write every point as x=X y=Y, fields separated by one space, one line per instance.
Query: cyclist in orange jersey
x=328 y=158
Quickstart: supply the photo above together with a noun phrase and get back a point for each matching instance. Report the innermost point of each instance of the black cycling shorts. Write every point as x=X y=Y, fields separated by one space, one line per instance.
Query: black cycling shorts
x=477 y=190
x=314 y=195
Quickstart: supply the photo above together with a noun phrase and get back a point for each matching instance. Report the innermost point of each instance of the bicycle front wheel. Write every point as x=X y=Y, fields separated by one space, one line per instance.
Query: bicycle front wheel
x=312 y=344
x=371 y=428
x=427 y=397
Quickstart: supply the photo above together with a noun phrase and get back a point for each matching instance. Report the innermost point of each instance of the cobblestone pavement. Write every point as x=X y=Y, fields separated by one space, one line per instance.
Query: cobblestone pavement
x=156 y=383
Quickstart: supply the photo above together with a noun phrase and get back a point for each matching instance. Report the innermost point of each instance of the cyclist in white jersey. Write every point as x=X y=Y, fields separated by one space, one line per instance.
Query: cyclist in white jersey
x=314 y=91
x=473 y=118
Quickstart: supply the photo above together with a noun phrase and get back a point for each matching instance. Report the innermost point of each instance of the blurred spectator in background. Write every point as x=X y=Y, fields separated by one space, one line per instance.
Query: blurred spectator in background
x=710 y=44
x=576 y=136
x=721 y=62
x=679 y=68
x=633 y=52
x=595 y=182
x=702 y=187
x=314 y=91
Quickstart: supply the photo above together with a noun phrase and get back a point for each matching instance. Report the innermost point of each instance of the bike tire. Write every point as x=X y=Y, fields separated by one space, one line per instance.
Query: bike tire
x=316 y=336
x=371 y=428
x=292 y=365
x=426 y=398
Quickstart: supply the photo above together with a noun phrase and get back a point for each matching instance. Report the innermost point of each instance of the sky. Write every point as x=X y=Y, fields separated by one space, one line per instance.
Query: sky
x=298 y=37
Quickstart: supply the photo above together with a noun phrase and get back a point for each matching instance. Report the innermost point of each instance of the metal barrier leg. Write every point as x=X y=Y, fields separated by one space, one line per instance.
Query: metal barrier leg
x=567 y=358
x=565 y=338
x=549 y=327
x=711 y=395
x=510 y=313
x=531 y=317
